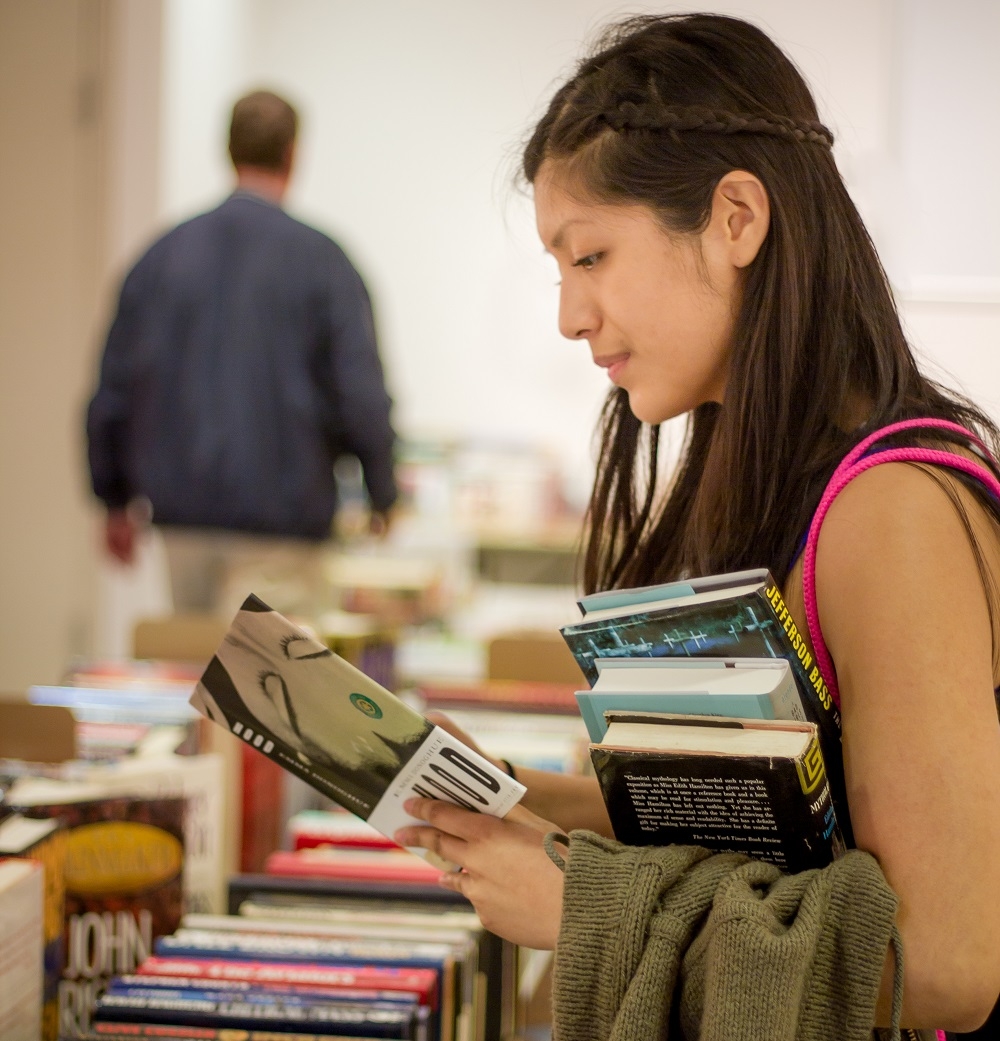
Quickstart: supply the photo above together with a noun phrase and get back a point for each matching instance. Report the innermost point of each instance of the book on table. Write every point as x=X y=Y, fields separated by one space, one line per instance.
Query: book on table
x=750 y=786
x=452 y=960
x=286 y=694
x=21 y=949
x=736 y=615
x=376 y=906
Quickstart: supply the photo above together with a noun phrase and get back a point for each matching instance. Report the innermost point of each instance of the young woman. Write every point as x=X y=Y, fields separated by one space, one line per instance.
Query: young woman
x=713 y=261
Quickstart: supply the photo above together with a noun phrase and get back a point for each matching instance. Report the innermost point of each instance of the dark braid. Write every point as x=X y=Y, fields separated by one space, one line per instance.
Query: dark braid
x=630 y=115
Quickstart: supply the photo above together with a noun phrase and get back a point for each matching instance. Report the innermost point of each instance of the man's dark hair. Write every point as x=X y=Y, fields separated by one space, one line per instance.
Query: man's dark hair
x=262 y=130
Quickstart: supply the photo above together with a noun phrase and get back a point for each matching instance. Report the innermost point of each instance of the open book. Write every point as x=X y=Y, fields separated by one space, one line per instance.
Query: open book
x=287 y=695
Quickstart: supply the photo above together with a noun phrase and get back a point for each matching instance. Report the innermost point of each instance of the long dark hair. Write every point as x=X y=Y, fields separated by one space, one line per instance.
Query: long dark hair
x=665 y=107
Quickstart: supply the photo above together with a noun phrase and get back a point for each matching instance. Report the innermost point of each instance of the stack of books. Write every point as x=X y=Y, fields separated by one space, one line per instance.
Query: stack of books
x=709 y=722
x=313 y=958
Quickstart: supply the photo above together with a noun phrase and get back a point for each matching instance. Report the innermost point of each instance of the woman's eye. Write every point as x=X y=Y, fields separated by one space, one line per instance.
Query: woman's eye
x=588 y=261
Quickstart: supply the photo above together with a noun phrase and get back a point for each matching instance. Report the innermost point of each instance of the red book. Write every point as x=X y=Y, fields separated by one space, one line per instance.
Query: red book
x=419 y=981
x=386 y=865
x=311 y=828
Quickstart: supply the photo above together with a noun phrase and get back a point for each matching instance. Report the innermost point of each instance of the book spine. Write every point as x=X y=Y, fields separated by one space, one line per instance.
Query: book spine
x=328 y=1018
x=786 y=701
x=209 y=991
x=817 y=701
x=236 y=987
x=194 y=943
x=323 y=862
x=803 y=661
x=421 y=981
x=115 y=1031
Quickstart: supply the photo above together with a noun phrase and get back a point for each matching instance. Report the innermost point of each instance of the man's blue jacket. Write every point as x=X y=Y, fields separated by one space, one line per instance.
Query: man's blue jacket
x=241 y=363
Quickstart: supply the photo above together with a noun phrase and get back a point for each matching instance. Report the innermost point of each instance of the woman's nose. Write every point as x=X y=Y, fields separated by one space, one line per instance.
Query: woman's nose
x=578 y=317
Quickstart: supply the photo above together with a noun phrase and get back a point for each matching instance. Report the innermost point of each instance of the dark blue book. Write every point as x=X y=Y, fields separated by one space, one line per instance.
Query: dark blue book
x=261 y=1010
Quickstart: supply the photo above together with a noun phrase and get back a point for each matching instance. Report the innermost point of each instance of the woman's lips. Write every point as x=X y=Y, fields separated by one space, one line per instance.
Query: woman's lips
x=614 y=363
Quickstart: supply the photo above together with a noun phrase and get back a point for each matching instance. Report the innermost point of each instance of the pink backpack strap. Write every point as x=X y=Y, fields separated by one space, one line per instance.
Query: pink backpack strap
x=855 y=463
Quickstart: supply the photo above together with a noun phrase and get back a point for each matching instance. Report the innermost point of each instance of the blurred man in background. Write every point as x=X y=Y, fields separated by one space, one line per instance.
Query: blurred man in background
x=241 y=363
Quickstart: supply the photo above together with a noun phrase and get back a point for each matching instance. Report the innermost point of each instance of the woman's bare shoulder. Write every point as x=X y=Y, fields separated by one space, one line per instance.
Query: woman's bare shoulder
x=904 y=545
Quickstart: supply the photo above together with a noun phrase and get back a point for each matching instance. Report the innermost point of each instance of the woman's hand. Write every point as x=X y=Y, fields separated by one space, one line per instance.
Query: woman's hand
x=506 y=873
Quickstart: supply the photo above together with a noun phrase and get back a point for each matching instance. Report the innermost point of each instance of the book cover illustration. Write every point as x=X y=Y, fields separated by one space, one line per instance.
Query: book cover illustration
x=123 y=876
x=289 y=696
x=757 y=787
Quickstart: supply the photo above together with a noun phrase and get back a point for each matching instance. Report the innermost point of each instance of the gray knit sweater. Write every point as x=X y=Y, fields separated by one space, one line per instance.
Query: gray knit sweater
x=675 y=942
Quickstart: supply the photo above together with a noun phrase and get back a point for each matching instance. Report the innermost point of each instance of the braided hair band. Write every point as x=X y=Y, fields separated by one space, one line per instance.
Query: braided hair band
x=631 y=115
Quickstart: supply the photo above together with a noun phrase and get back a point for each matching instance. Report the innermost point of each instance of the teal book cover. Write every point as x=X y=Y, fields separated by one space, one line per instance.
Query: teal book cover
x=593 y=704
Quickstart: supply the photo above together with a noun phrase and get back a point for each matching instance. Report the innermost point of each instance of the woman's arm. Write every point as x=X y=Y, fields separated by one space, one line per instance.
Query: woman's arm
x=569 y=800
x=904 y=613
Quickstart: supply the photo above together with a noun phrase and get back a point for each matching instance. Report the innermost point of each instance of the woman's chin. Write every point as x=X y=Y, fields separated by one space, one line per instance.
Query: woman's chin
x=647 y=411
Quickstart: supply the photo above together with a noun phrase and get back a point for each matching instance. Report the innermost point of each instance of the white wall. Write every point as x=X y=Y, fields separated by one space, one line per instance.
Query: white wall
x=412 y=118
x=49 y=226
x=412 y=112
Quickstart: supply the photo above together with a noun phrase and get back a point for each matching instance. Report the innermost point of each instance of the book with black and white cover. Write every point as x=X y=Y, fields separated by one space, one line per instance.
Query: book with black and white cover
x=286 y=694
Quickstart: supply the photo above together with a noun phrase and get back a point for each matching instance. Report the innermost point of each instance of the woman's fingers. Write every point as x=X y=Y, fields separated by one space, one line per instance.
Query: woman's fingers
x=445 y=816
x=446 y=849
x=452 y=830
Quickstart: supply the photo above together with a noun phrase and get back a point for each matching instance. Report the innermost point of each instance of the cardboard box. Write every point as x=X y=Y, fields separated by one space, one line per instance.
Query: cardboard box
x=533 y=655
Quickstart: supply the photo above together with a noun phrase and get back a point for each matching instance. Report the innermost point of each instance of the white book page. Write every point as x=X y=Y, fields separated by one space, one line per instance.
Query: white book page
x=738 y=741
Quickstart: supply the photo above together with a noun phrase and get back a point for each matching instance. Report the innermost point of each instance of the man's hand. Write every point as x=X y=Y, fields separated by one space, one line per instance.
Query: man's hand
x=380 y=522
x=120 y=535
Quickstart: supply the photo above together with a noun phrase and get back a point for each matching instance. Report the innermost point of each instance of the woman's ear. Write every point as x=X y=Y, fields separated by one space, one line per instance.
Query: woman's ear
x=741 y=216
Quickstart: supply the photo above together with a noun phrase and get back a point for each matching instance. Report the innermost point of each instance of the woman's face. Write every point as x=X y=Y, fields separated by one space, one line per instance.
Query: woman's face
x=657 y=309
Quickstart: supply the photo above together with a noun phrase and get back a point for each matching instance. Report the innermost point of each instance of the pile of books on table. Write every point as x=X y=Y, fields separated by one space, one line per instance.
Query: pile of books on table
x=319 y=950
